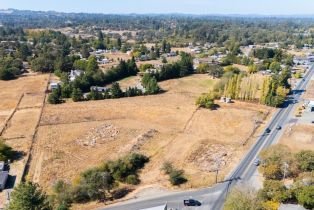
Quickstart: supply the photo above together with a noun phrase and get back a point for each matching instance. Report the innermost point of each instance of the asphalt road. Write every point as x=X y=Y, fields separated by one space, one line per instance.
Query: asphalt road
x=213 y=198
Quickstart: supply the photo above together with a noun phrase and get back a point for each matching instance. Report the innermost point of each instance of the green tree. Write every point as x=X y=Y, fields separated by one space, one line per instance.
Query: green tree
x=95 y=95
x=305 y=160
x=66 y=90
x=202 y=68
x=6 y=152
x=275 y=66
x=62 y=195
x=119 y=43
x=54 y=97
x=77 y=95
x=215 y=71
x=92 y=64
x=28 y=196
x=85 y=51
x=305 y=197
x=6 y=74
x=152 y=86
x=116 y=91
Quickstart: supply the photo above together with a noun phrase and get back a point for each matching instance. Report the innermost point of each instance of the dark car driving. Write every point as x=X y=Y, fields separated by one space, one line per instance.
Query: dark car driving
x=268 y=130
x=191 y=202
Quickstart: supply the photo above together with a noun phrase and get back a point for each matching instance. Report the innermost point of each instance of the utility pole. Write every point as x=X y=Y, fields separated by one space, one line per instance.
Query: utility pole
x=285 y=167
x=217 y=163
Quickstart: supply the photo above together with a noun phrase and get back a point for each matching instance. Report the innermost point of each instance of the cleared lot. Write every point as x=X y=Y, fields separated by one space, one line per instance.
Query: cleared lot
x=75 y=136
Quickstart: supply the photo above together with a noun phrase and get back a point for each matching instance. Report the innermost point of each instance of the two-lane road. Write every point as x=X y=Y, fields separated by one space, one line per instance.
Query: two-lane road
x=213 y=198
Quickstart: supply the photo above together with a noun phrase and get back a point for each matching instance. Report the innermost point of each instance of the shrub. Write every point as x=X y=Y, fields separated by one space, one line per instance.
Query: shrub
x=305 y=197
x=167 y=167
x=176 y=177
x=123 y=167
x=132 y=179
x=205 y=101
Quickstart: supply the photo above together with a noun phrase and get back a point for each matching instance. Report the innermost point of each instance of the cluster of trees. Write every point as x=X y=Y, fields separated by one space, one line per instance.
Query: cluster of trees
x=268 y=90
x=216 y=71
x=10 y=67
x=104 y=42
x=100 y=183
x=278 y=162
x=275 y=89
x=230 y=31
x=153 y=53
x=176 y=177
x=93 y=76
x=181 y=68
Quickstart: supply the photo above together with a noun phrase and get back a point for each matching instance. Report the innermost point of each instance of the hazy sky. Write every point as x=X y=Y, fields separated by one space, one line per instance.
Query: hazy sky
x=268 y=7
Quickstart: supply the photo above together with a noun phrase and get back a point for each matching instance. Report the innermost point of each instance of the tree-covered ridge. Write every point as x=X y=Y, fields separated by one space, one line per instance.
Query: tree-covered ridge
x=180 y=28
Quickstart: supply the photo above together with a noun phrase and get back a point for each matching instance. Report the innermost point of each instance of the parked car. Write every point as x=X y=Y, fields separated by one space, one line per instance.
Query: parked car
x=257 y=162
x=191 y=202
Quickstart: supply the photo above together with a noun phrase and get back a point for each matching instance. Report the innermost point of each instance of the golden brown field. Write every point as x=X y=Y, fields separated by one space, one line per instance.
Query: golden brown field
x=73 y=137
x=21 y=103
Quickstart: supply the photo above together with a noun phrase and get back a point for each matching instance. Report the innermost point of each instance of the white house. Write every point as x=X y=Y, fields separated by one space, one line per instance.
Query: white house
x=74 y=74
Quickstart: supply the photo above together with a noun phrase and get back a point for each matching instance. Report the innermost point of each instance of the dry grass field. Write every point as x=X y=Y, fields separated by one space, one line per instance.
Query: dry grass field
x=73 y=137
x=299 y=137
x=21 y=102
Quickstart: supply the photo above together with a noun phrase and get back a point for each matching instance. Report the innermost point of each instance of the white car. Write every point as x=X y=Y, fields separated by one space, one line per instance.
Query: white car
x=257 y=162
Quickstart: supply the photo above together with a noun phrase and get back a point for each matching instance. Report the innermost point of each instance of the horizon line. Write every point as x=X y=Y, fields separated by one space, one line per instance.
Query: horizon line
x=166 y=13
